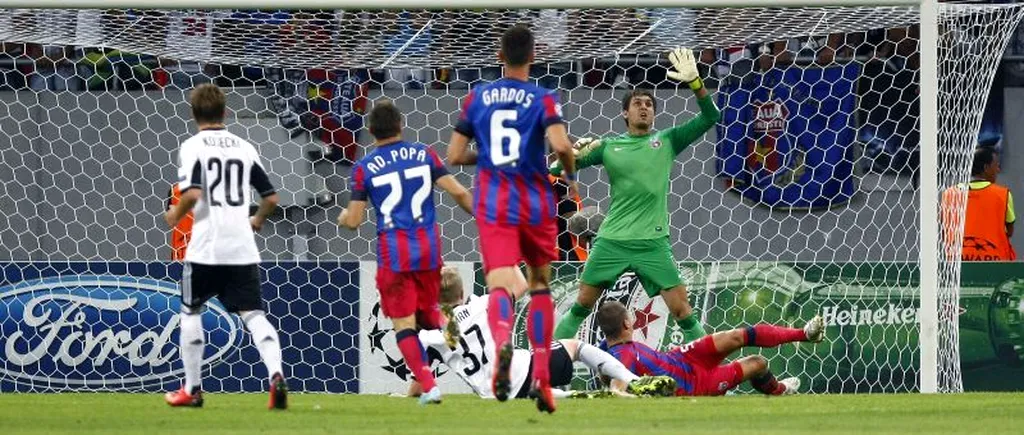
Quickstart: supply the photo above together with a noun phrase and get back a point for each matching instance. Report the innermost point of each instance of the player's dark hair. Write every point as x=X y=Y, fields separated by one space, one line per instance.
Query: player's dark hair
x=451 y=286
x=983 y=156
x=610 y=317
x=208 y=104
x=628 y=97
x=517 y=45
x=385 y=120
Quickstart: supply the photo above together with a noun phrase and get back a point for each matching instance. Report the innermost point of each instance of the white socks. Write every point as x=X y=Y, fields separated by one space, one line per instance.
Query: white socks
x=264 y=336
x=192 y=349
x=604 y=363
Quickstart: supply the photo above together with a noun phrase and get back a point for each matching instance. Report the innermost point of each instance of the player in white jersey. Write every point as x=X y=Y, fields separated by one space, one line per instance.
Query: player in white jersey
x=217 y=174
x=467 y=349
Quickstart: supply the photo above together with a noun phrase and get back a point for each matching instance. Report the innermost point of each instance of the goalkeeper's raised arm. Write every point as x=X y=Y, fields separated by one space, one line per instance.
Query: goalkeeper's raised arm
x=685 y=70
x=639 y=108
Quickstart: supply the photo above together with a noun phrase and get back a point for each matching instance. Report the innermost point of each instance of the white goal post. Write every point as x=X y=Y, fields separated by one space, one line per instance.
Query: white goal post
x=937 y=277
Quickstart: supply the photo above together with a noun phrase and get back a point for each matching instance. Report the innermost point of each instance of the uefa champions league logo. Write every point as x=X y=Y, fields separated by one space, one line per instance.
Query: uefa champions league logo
x=103 y=331
x=381 y=338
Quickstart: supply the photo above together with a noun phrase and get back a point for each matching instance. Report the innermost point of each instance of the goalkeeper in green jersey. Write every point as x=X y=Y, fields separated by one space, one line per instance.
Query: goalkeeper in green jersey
x=634 y=234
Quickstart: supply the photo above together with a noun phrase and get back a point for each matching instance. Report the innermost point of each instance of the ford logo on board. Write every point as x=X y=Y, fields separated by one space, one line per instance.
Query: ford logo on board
x=100 y=332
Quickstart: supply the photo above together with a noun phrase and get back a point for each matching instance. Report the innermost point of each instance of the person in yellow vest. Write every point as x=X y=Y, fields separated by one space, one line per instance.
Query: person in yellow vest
x=988 y=221
x=181 y=233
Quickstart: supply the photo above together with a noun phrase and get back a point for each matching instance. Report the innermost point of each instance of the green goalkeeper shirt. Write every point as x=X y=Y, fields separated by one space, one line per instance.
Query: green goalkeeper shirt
x=638 y=170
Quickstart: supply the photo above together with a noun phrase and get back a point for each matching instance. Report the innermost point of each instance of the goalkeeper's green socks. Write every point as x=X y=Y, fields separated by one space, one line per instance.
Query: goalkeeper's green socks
x=691 y=326
x=571 y=322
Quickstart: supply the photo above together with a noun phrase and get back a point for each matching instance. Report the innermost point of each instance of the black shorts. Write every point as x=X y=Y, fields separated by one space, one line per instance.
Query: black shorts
x=560 y=367
x=236 y=287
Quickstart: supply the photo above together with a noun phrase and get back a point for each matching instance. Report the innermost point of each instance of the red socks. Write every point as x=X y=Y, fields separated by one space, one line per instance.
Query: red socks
x=764 y=335
x=767 y=384
x=415 y=358
x=499 y=316
x=540 y=326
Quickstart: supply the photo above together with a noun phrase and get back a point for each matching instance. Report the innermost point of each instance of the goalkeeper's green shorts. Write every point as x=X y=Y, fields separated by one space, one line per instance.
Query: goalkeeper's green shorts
x=651 y=260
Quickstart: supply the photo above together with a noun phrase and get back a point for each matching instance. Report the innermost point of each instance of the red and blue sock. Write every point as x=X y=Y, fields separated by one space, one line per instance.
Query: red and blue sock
x=767 y=384
x=415 y=357
x=499 y=316
x=764 y=335
x=540 y=326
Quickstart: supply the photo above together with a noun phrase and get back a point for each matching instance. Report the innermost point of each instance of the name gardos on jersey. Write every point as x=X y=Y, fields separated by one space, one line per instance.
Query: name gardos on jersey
x=221 y=142
x=379 y=162
x=507 y=95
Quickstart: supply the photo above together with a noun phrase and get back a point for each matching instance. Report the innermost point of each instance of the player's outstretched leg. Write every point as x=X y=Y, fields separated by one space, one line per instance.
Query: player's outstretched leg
x=764 y=335
x=191 y=339
x=266 y=340
x=412 y=351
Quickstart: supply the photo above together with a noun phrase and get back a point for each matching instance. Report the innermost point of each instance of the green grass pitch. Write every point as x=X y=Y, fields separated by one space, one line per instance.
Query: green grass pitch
x=245 y=414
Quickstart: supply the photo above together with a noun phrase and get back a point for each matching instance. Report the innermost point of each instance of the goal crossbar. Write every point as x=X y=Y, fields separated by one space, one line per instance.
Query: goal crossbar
x=443 y=4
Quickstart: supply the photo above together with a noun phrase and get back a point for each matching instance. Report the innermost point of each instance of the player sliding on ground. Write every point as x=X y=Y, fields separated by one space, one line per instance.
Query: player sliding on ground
x=697 y=366
x=470 y=358
x=216 y=175
x=398 y=177
x=634 y=235
x=515 y=203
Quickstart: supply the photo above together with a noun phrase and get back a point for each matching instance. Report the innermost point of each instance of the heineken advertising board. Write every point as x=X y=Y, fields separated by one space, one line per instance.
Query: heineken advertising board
x=871 y=311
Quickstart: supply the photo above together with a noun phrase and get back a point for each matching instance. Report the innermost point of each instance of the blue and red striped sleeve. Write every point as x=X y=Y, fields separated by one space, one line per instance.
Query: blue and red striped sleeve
x=464 y=125
x=359 y=184
x=552 y=110
x=437 y=167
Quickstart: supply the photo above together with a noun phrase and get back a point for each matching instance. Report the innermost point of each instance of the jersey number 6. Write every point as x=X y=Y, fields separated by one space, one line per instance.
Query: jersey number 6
x=500 y=133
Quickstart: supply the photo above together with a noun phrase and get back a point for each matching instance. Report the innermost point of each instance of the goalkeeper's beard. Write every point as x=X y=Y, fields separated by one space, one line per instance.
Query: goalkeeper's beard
x=640 y=127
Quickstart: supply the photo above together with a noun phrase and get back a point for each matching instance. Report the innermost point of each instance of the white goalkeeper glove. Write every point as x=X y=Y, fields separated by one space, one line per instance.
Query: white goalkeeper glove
x=584 y=146
x=685 y=68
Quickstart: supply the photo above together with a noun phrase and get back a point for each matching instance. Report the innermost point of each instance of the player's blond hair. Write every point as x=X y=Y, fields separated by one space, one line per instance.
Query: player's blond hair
x=451 y=286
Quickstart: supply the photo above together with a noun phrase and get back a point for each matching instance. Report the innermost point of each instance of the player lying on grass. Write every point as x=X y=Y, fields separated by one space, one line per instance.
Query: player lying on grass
x=634 y=235
x=697 y=366
x=470 y=358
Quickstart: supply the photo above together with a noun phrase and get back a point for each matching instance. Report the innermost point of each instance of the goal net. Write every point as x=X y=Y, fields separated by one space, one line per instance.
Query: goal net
x=804 y=199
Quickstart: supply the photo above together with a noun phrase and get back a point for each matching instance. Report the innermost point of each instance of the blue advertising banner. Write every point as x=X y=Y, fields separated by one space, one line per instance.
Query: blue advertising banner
x=114 y=326
x=785 y=137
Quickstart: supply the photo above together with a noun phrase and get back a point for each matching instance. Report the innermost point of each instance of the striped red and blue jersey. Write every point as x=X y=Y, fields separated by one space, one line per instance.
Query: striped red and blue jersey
x=508 y=119
x=644 y=361
x=398 y=179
